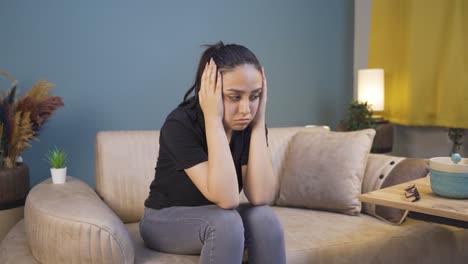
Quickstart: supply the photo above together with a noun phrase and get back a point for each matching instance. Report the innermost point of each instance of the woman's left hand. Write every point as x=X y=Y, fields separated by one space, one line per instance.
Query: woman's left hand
x=260 y=116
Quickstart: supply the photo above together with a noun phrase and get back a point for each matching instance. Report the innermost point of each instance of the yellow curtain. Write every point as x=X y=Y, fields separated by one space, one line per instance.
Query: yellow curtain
x=422 y=46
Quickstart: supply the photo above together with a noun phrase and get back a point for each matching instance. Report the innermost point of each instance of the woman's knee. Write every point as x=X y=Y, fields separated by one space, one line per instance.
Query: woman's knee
x=259 y=214
x=263 y=217
x=228 y=224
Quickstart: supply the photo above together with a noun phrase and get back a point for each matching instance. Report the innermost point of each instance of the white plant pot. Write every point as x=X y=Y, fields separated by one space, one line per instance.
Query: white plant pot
x=58 y=175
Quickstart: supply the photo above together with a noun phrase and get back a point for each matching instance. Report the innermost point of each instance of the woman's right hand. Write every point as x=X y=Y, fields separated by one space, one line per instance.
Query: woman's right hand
x=210 y=94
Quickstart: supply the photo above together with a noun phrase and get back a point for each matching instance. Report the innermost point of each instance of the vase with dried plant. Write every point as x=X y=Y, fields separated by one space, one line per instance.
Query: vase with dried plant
x=20 y=122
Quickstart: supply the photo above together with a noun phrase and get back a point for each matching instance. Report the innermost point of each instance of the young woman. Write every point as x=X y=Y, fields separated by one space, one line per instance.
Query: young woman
x=211 y=146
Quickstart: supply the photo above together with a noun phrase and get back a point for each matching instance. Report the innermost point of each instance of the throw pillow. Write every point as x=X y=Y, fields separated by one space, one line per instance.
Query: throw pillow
x=324 y=170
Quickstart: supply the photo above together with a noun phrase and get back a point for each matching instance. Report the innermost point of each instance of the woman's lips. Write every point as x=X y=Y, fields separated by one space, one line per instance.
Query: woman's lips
x=243 y=121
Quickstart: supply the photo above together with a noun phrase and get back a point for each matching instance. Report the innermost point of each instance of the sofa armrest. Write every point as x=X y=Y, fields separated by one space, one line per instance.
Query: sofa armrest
x=68 y=223
x=383 y=171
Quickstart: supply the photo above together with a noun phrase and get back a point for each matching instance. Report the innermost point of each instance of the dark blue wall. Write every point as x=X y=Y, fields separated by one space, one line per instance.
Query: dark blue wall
x=123 y=65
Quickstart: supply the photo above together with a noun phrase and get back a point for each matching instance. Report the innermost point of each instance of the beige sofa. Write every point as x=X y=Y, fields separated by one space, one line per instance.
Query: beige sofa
x=72 y=223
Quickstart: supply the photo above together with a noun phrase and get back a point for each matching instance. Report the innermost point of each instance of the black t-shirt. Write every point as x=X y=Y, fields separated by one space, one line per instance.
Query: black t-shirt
x=182 y=144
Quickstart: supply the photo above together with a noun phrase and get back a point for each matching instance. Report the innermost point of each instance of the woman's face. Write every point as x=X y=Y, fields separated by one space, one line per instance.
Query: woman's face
x=241 y=93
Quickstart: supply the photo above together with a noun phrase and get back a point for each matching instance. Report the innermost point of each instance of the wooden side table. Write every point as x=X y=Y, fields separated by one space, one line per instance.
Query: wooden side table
x=429 y=208
x=383 y=140
x=14 y=187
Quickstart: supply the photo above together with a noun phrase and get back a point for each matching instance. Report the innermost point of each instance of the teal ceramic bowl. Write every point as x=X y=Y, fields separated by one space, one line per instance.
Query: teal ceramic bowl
x=448 y=179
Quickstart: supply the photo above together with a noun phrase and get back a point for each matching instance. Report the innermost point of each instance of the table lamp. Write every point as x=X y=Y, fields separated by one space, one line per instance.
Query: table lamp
x=371 y=89
x=371 y=85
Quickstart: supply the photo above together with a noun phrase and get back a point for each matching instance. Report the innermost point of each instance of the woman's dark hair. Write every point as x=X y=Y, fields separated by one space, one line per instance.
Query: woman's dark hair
x=226 y=57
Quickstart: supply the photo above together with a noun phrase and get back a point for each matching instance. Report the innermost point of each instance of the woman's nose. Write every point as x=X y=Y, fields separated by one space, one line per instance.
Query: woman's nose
x=244 y=106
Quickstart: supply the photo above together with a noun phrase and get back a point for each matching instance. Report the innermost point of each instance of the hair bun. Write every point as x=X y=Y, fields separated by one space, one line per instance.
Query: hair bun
x=218 y=45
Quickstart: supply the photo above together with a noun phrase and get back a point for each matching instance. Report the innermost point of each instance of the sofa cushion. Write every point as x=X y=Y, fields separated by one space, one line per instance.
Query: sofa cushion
x=383 y=171
x=326 y=237
x=313 y=236
x=324 y=170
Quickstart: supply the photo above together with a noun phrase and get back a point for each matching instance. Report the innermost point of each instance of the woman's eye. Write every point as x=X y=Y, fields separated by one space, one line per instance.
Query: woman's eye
x=254 y=97
x=234 y=98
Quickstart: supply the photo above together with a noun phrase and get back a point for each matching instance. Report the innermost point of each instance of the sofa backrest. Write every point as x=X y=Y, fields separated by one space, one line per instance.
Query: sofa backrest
x=126 y=161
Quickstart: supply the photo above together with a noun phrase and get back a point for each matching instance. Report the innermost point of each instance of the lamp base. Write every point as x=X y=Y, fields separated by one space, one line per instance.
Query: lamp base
x=379 y=119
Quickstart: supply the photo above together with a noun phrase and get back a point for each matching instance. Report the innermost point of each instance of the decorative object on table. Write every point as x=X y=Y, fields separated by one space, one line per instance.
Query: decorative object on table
x=14 y=186
x=20 y=122
x=359 y=117
x=456 y=136
x=456 y=158
x=412 y=193
x=367 y=110
x=57 y=159
x=449 y=176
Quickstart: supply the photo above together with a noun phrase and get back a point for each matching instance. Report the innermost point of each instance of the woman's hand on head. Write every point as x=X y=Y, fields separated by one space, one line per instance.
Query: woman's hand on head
x=260 y=116
x=210 y=94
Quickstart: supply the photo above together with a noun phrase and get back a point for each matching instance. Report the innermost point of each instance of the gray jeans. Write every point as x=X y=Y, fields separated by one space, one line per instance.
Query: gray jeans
x=215 y=233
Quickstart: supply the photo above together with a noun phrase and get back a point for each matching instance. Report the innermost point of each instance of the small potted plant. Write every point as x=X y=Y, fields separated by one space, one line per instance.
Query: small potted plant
x=57 y=159
x=359 y=117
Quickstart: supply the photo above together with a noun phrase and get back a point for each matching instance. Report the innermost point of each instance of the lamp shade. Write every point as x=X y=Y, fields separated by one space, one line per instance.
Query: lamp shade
x=371 y=88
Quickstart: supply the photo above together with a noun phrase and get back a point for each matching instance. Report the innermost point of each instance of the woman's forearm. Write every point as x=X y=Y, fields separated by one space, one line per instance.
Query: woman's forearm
x=260 y=180
x=222 y=178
